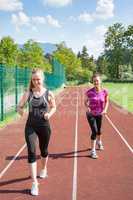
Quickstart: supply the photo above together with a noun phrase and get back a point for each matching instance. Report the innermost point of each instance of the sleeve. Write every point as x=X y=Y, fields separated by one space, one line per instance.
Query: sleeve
x=87 y=93
x=106 y=92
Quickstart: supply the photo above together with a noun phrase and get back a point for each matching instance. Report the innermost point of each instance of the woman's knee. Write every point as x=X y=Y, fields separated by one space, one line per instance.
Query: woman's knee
x=93 y=136
x=31 y=158
x=99 y=133
x=44 y=154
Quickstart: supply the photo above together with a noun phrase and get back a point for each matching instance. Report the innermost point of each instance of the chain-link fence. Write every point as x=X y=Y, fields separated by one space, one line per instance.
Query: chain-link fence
x=14 y=81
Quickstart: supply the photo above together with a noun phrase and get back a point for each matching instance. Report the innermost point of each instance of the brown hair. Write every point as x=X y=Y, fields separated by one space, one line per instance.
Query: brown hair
x=96 y=74
x=34 y=71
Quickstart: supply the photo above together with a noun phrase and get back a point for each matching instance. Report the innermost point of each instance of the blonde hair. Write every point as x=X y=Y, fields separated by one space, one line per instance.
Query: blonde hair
x=35 y=71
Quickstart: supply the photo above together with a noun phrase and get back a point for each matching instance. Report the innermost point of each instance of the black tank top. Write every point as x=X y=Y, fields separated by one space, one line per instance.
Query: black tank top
x=37 y=107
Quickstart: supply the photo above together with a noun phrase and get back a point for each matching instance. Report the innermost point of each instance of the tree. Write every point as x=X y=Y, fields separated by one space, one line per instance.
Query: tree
x=129 y=36
x=8 y=51
x=129 y=44
x=102 y=64
x=114 y=49
x=79 y=55
x=32 y=55
x=67 y=57
x=84 y=57
x=72 y=63
x=86 y=61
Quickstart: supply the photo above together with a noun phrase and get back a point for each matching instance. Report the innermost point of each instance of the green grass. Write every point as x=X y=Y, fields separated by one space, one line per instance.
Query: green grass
x=10 y=117
x=122 y=94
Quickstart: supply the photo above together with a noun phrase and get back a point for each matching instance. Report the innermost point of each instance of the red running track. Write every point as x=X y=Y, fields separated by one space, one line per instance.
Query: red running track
x=73 y=175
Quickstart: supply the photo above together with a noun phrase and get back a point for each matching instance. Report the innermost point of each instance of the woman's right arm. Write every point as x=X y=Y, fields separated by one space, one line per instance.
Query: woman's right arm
x=22 y=102
x=86 y=101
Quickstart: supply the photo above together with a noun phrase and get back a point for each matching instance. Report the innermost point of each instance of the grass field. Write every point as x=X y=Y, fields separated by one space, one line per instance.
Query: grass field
x=122 y=94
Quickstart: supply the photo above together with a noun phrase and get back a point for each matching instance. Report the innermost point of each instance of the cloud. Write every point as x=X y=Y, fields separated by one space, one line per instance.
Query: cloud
x=101 y=30
x=11 y=5
x=86 y=17
x=104 y=10
x=72 y=18
x=21 y=20
x=95 y=41
x=46 y=20
x=53 y=22
x=38 y=20
x=57 y=3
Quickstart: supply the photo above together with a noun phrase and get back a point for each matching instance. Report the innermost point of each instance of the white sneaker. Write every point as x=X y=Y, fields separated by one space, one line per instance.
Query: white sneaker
x=43 y=173
x=34 y=189
x=100 y=146
x=93 y=154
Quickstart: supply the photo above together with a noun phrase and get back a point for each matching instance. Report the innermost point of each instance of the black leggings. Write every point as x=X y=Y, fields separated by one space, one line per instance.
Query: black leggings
x=43 y=133
x=95 y=123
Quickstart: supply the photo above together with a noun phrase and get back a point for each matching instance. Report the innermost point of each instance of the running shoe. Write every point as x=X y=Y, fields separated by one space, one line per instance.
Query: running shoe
x=100 y=146
x=93 y=154
x=34 y=189
x=43 y=173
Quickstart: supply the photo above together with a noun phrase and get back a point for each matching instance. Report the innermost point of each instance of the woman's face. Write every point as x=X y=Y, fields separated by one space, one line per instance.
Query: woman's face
x=97 y=81
x=37 y=79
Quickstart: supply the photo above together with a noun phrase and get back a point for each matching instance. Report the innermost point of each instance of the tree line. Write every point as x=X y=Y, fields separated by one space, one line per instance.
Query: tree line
x=115 y=62
x=30 y=55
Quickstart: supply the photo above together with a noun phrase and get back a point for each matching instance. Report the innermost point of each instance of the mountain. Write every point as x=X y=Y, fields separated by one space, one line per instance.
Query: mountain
x=47 y=47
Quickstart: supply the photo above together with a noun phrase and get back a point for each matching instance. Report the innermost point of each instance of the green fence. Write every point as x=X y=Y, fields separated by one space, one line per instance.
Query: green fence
x=57 y=77
x=14 y=81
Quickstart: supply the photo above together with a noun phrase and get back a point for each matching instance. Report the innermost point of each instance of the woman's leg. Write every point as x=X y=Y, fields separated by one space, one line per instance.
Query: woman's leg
x=44 y=162
x=31 y=138
x=44 y=138
x=99 y=133
x=33 y=170
x=92 y=122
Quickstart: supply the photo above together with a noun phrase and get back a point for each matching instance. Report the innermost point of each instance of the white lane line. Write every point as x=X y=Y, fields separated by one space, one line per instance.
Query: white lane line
x=74 y=192
x=11 y=162
x=124 y=140
x=22 y=148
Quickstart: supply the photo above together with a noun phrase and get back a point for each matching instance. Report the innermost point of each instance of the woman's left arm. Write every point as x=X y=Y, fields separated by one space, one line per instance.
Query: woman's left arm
x=52 y=104
x=106 y=104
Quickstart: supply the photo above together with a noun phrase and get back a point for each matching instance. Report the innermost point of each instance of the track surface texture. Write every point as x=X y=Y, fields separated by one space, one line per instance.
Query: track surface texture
x=72 y=174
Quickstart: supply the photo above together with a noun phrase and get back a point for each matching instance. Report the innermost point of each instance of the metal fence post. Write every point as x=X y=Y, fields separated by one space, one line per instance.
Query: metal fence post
x=16 y=87
x=25 y=77
x=1 y=92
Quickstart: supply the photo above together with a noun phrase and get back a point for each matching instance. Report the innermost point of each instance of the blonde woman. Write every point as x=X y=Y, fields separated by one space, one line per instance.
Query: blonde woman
x=41 y=107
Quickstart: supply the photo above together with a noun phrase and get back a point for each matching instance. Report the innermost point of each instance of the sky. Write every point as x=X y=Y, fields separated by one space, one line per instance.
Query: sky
x=77 y=22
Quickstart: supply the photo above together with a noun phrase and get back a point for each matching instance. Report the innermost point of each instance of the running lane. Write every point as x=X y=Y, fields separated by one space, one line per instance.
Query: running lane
x=73 y=175
x=111 y=175
x=15 y=183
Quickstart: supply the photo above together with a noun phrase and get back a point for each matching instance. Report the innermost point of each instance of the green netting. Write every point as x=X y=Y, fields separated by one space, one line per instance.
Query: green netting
x=14 y=81
x=57 y=77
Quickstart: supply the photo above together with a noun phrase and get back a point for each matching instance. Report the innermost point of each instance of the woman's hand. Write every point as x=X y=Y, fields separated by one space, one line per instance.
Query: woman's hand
x=104 y=112
x=20 y=110
x=46 y=116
